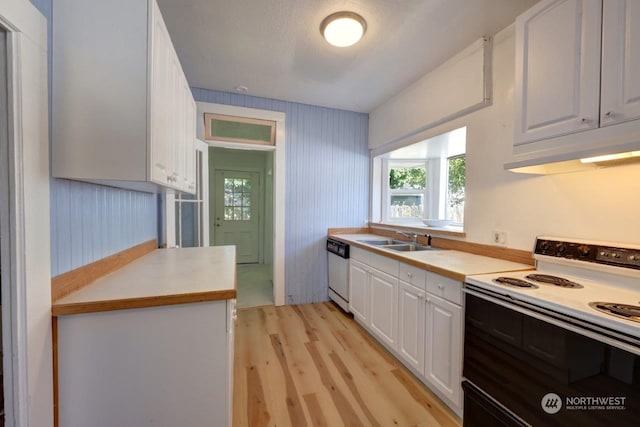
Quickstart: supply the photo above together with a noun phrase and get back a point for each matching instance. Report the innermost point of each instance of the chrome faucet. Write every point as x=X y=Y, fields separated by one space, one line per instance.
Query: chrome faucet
x=412 y=236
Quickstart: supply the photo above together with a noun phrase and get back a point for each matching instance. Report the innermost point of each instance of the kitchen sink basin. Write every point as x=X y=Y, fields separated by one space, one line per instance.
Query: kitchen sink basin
x=381 y=242
x=409 y=247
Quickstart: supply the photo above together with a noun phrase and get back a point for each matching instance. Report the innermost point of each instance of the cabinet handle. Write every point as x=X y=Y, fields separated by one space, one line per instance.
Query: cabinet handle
x=609 y=115
x=585 y=120
x=440 y=286
x=409 y=275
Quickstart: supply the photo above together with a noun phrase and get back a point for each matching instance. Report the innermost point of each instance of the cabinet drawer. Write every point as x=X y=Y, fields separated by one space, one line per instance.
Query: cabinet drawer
x=359 y=254
x=444 y=287
x=382 y=263
x=413 y=275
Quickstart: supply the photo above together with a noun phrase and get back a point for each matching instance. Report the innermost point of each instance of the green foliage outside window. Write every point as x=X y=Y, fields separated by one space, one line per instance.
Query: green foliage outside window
x=408 y=178
x=457 y=174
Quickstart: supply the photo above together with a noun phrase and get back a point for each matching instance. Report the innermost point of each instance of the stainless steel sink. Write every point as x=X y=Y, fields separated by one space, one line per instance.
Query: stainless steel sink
x=409 y=247
x=381 y=242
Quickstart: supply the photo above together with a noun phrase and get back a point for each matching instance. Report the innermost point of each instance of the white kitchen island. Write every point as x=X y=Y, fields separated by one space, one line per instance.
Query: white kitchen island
x=149 y=344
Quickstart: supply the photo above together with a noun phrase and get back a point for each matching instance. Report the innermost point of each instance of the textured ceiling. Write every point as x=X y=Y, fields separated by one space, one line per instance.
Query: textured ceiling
x=274 y=47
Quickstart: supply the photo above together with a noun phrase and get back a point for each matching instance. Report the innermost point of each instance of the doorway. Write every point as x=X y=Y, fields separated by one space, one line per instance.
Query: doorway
x=241 y=200
x=238 y=211
x=274 y=185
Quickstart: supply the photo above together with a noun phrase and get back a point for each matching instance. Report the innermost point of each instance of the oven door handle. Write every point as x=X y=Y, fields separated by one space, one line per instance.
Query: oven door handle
x=571 y=326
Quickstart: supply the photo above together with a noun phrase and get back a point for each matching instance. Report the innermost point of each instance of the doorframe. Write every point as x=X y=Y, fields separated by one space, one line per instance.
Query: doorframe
x=279 y=171
x=26 y=257
x=261 y=224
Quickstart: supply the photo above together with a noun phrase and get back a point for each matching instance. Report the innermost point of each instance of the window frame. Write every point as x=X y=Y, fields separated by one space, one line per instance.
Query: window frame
x=388 y=192
x=208 y=134
x=446 y=183
x=436 y=194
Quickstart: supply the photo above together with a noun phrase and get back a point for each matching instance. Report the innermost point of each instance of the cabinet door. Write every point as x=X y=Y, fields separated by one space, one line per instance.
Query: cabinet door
x=178 y=123
x=443 y=349
x=190 y=138
x=557 y=82
x=411 y=312
x=383 y=290
x=358 y=291
x=159 y=130
x=620 y=96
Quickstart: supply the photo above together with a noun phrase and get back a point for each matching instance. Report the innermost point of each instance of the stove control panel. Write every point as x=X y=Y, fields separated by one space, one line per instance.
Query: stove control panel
x=609 y=255
x=621 y=256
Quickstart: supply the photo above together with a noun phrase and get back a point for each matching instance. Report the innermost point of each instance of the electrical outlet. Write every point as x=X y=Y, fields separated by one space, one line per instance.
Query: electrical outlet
x=499 y=238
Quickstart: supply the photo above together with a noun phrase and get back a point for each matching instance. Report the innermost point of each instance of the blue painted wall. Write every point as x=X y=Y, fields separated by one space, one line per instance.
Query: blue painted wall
x=327 y=183
x=89 y=222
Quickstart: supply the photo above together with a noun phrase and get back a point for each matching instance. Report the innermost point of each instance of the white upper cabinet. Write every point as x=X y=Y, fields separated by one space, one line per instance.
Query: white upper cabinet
x=122 y=111
x=620 y=62
x=160 y=110
x=557 y=69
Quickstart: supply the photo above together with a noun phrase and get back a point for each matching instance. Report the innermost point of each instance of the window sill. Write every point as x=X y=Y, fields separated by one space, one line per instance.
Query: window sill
x=416 y=227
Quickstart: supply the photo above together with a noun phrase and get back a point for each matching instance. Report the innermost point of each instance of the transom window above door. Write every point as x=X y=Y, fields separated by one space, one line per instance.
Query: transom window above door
x=220 y=127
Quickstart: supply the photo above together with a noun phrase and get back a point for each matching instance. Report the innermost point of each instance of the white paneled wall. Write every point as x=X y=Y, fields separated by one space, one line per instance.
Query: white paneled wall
x=327 y=184
x=90 y=222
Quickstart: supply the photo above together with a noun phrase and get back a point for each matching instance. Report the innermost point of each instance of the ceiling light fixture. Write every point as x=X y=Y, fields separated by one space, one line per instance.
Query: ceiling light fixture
x=343 y=29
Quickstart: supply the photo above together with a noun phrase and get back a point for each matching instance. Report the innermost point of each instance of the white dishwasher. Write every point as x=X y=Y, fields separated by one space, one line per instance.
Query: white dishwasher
x=338 y=261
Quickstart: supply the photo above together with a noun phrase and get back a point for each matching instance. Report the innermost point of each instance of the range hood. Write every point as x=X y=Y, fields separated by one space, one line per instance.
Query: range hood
x=579 y=151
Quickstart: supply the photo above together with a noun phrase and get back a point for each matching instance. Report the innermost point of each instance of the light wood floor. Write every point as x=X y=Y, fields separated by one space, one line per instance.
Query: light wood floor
x=254 y=285
x=311 y=365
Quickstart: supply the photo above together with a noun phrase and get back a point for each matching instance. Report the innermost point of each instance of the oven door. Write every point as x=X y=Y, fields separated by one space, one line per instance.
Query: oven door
x=542 y=371
x=480 y=410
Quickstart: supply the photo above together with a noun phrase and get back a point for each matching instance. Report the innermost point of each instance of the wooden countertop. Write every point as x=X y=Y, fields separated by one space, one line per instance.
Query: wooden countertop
x=450 y=263
x=163 y=277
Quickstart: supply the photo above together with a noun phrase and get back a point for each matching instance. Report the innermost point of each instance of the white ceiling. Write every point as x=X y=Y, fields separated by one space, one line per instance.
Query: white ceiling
x=274 y=47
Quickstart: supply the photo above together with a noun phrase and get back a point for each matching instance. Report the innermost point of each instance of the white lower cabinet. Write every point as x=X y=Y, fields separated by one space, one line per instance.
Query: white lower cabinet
x=359 y=291
x=416 y=314
x=383 y=296
x=158 y=366
x=411 y=324
x=443 y=349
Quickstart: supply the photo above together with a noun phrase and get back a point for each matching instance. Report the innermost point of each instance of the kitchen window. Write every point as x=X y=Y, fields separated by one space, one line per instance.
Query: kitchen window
x=422 y=181
x=407 y=190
